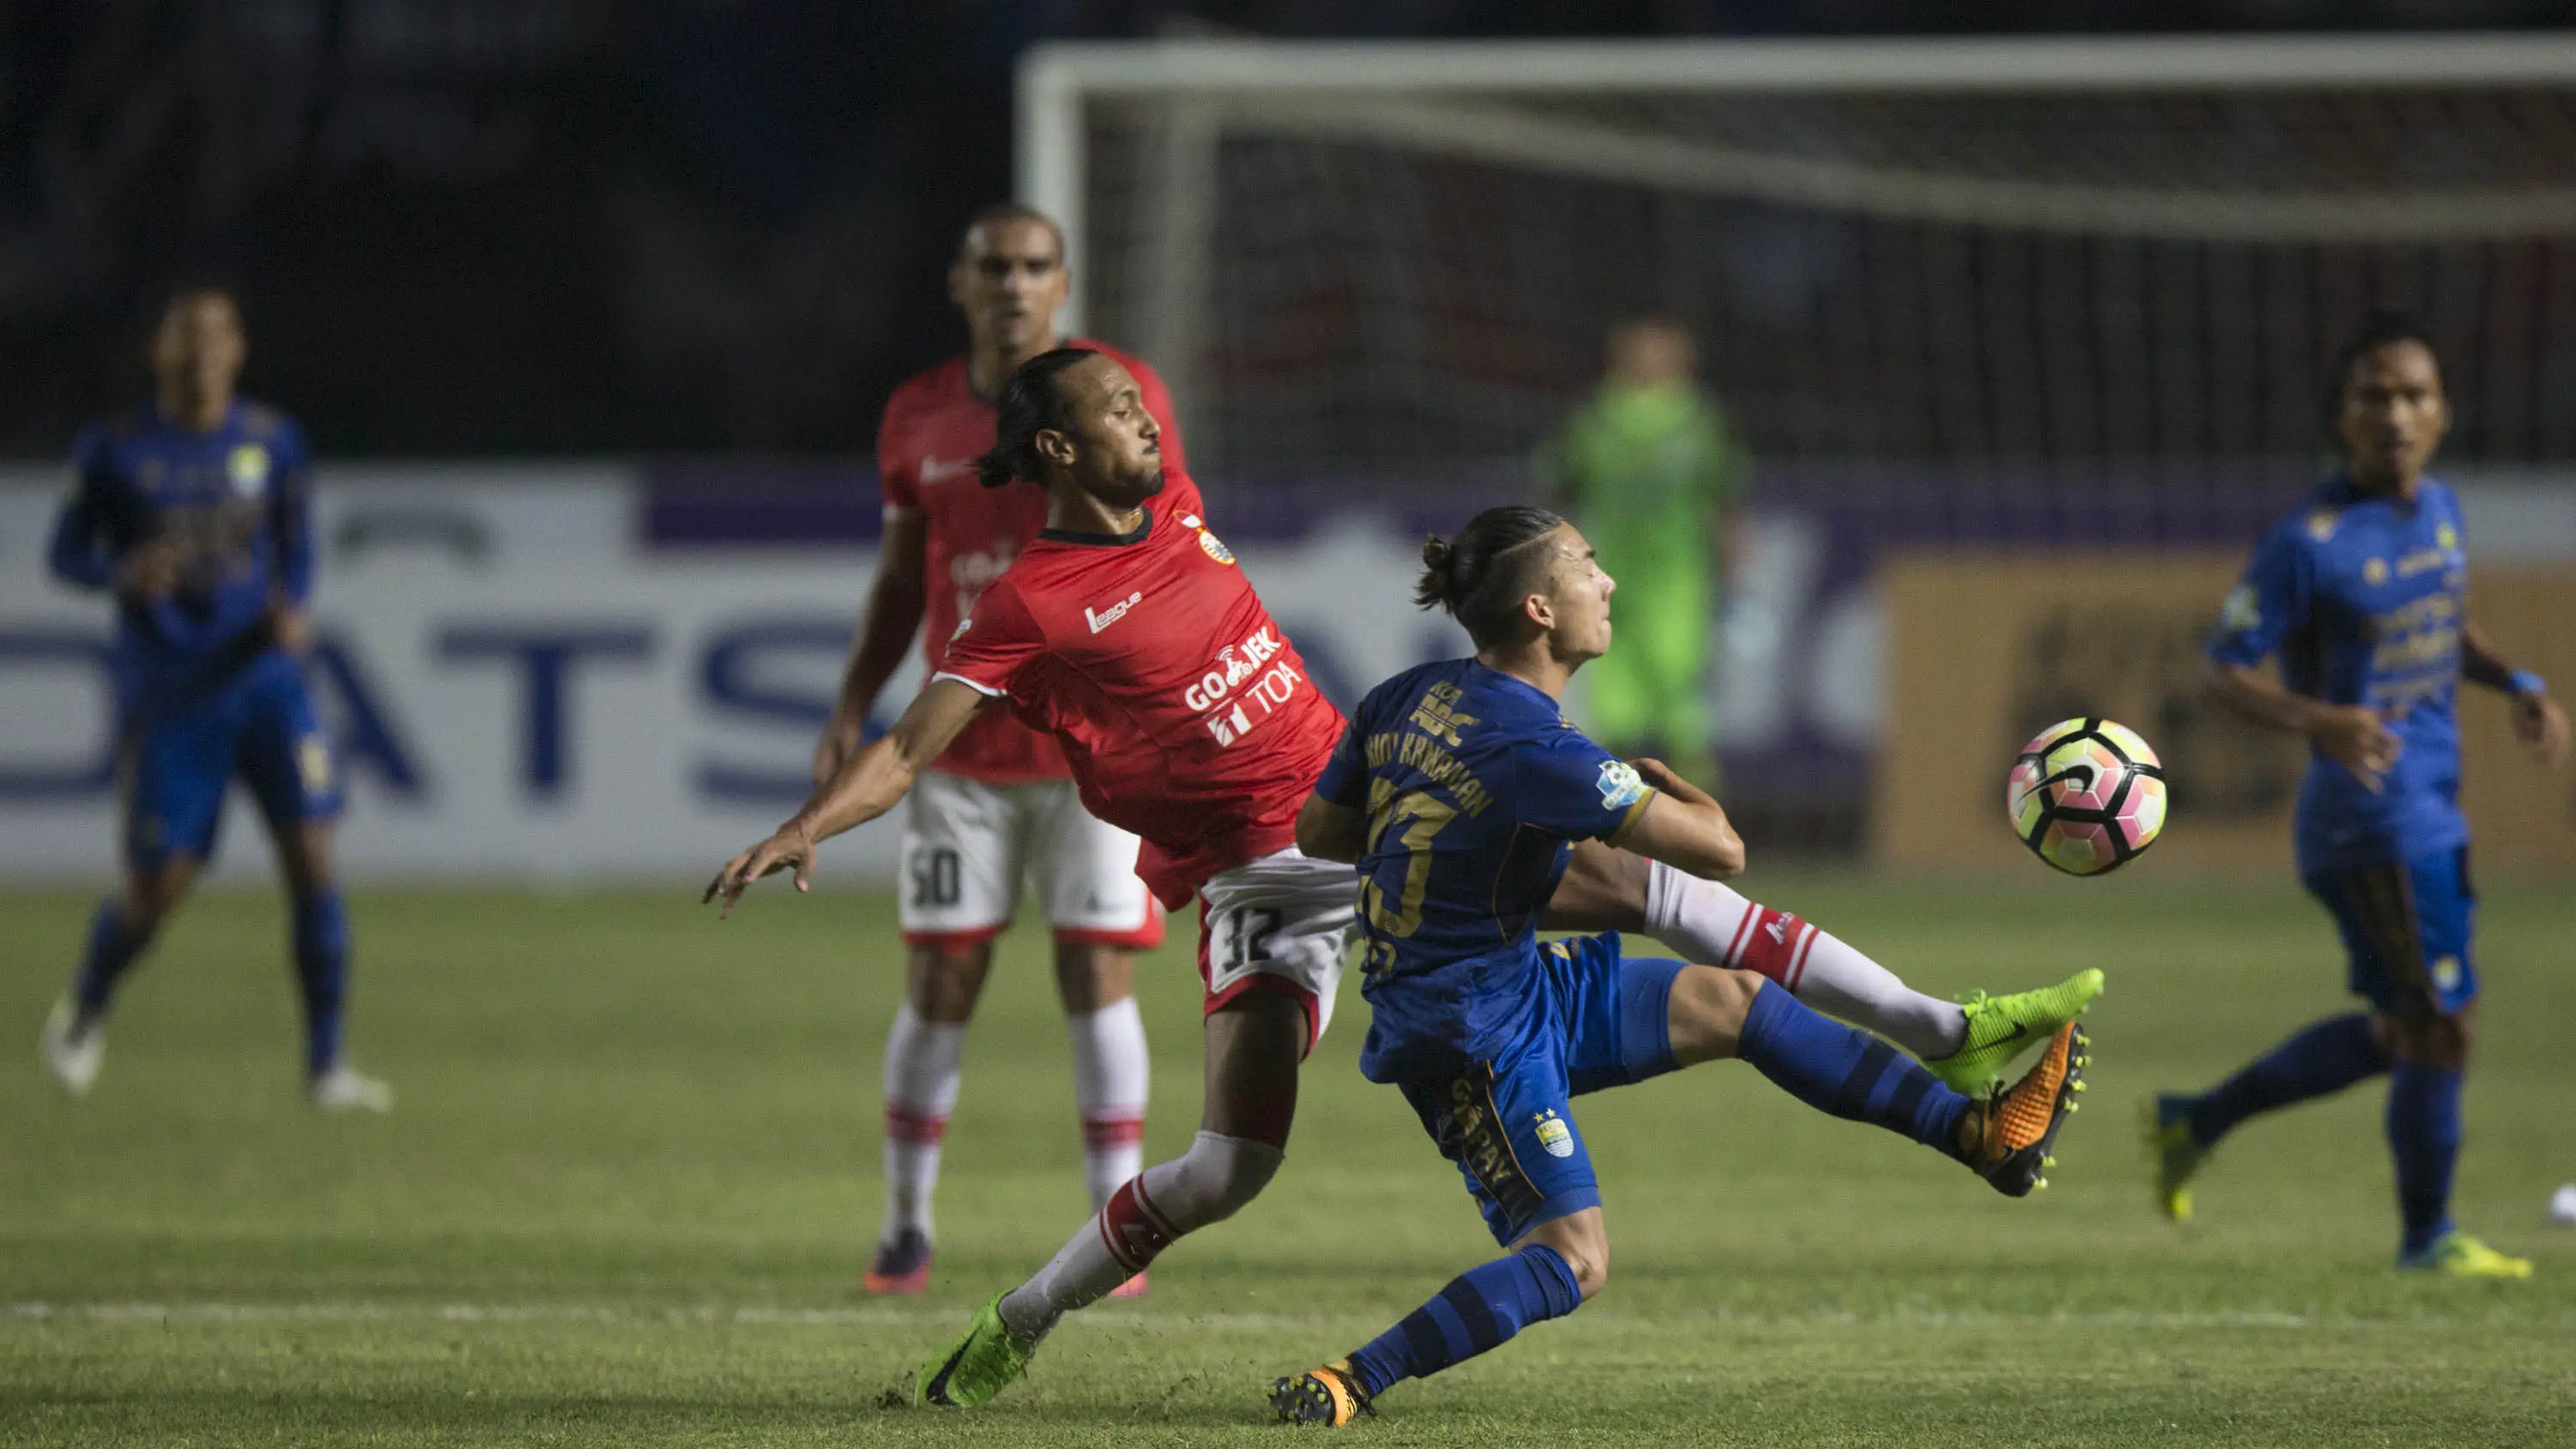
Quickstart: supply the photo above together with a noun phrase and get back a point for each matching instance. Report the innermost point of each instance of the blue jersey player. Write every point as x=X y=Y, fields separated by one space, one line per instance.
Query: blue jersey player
x=192 y=509
x=2362 y=595
x=1459 y=789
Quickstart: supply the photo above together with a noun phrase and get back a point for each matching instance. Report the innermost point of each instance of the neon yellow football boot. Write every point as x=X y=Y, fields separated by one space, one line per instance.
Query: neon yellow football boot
x=2173 y=1154
x=976 y=1367
x=2001 y=1028
x=2457 y=1255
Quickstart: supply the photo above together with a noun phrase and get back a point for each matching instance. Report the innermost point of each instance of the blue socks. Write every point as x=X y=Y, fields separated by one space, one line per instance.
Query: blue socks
x=2325 y=1057
x=1848 y=1073
x=111 y=949
x=1481 y=1308
x=2424 y=1136
x=322 y=971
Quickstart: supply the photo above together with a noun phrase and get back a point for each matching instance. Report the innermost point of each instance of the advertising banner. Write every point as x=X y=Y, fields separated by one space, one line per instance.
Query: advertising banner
x=532 y=676
x=1985 y=648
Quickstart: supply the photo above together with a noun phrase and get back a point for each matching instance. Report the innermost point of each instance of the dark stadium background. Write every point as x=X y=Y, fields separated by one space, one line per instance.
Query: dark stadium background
x=528 y=227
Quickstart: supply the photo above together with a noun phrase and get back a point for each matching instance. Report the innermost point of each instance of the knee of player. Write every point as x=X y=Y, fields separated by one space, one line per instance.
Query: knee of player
x=1225 y=1173
x=1707 y=1010
x=1584 y=1246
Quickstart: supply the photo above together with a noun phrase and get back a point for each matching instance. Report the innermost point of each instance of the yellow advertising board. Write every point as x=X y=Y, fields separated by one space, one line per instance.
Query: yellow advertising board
x=1986 y=648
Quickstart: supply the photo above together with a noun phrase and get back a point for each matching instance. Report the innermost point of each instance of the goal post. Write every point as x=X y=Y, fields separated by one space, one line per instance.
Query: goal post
x=2063 y=252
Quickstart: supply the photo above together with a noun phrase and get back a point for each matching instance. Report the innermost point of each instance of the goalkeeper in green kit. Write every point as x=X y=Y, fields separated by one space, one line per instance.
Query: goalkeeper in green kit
x=1649 y=470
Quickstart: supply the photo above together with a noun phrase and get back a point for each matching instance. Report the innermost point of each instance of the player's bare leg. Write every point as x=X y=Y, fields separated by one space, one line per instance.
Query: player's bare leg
x=942 y=982
x=1968 y=1046
x=319 y=920
x=1255 y=1044
x=1097 y=984
x=75 y=1037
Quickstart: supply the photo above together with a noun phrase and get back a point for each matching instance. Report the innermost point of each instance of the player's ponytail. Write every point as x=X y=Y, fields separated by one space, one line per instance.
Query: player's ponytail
x=1030 y=404
x=1483 y=574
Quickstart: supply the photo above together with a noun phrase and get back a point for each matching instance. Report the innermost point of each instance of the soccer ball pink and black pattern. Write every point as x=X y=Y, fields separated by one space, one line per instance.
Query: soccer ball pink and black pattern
x=2086 y=796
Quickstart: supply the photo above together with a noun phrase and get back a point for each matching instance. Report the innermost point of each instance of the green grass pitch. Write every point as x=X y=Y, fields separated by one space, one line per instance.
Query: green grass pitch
x=631 y=1183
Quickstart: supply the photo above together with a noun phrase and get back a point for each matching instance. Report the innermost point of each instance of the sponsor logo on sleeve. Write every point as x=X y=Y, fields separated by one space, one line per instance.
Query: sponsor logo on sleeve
x=1620 y=785
x=2241 y=611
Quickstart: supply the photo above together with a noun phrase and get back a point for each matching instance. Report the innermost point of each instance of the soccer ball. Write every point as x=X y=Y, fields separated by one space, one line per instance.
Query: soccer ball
x=2086 y=796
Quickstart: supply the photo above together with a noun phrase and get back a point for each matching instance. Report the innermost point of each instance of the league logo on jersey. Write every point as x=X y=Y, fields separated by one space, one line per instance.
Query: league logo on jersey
x=1554 y=1136
x=248 y=469
x=1620 y=784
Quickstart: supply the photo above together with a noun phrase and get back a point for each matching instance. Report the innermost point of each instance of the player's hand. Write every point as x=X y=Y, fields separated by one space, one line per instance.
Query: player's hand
x=2355 y=737
x=840 y=741
x=1662 y=777
x=789 y=849
x=2541 y=724
x=149 y=570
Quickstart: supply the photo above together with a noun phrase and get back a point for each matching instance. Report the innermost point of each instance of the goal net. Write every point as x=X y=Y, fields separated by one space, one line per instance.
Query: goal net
x=2059 y=258
x=1971 y=292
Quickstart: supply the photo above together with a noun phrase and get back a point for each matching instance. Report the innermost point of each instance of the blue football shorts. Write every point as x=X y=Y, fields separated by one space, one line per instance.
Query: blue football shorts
x=177 y=763
x=2407 y=930
x=1599 y=1020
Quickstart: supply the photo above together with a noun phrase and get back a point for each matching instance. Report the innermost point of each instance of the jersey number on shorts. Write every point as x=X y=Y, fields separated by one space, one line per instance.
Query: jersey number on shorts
x=936 y=879
x=1248 y=933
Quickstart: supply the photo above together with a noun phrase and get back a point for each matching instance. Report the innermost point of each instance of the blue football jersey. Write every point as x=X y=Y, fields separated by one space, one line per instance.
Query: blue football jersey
x=235 y=502
x=2362 y=599
x=1475 y=788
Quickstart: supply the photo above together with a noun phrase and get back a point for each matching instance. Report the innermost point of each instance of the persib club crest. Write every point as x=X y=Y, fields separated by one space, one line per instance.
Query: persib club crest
x=1554 y=1136
x=248 y=469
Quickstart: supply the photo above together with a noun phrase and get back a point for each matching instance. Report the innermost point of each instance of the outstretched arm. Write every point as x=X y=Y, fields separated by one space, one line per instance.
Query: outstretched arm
x=1684 y=827
x=866 y=787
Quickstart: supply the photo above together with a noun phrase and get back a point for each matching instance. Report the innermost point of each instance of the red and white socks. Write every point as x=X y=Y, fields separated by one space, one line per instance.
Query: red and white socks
x=1204 y=1185
x=1710 y=923
x=921 y=1074
x=1110 y=1076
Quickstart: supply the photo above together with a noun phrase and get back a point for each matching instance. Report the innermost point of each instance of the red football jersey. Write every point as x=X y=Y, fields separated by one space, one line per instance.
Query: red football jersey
x=935 y=427
x=1186 y=714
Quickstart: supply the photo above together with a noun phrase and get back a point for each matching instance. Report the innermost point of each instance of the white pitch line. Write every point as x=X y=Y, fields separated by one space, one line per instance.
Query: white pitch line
x=888 y=1315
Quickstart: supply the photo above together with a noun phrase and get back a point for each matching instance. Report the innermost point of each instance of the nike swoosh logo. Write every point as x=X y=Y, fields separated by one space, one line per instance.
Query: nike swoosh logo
x=2017 y=1033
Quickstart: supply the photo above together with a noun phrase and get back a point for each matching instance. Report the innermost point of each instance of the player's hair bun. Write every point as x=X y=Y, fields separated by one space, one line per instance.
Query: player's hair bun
x=1477 y=576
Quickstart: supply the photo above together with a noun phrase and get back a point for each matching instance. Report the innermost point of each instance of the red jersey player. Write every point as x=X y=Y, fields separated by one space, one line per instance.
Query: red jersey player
x=998 y=805
x=1127 y=632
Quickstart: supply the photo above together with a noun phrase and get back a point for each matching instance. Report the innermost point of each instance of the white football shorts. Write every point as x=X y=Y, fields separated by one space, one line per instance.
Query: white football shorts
x=1285 y=922
x=967 y=846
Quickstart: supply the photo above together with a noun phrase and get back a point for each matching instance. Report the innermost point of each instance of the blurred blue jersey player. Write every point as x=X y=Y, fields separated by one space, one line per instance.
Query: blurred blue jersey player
x=193 y=510
x=1459 y=790
x=2362 y=595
